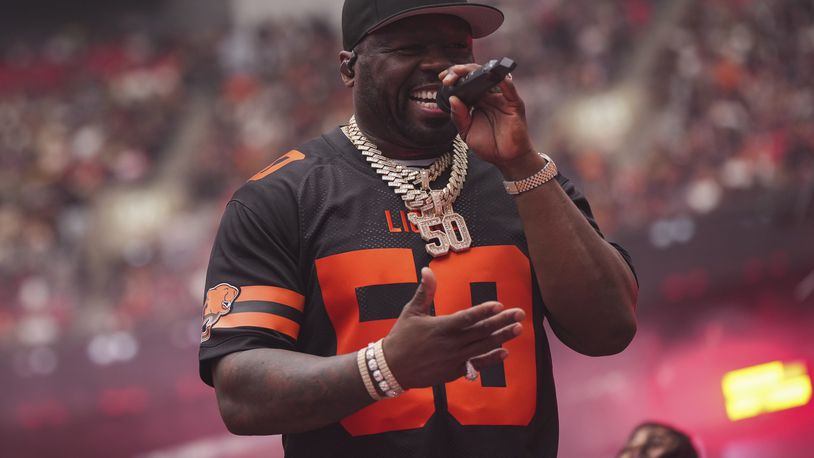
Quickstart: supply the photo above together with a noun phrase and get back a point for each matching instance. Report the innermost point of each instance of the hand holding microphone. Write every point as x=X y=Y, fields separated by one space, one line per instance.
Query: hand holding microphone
x=497 y=130
x=473 y=86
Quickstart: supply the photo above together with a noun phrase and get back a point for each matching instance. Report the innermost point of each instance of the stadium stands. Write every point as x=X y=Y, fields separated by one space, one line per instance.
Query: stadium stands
x=720 y=122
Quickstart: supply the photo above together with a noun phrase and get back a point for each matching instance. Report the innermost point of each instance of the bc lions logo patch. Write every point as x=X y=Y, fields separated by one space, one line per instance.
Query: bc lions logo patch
x=219 y=300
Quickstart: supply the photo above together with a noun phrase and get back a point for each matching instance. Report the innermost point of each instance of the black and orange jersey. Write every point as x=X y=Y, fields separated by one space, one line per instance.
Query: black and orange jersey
x=315 y=254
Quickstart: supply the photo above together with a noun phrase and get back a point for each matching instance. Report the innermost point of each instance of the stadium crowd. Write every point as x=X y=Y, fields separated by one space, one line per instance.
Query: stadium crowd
x=78 y=115
x=730 y=110
x=734 y=110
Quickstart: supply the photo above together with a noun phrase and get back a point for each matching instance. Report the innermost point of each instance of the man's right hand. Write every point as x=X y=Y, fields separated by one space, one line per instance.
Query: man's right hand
x=424 y=350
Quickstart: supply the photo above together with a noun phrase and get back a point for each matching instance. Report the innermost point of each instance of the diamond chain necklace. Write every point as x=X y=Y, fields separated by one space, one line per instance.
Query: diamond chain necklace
x=431 y=210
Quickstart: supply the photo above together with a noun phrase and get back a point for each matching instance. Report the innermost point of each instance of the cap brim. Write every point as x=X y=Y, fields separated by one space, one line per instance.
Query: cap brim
x=483 y=19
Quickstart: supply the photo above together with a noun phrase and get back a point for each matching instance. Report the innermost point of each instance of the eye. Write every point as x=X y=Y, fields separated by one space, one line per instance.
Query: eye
x=410 y=50
x=459 y=49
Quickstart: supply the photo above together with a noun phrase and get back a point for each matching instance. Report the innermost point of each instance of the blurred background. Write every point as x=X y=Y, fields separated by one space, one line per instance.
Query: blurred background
x=125 y=126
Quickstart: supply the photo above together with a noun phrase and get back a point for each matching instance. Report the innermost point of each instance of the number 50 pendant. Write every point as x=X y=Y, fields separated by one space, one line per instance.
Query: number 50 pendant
x=452 y=233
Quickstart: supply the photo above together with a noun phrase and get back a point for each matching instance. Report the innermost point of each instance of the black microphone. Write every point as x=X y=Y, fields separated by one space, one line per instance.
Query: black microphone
x=471 y=87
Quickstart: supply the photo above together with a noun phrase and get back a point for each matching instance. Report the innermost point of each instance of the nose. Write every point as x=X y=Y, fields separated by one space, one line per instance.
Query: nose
x=436 y=60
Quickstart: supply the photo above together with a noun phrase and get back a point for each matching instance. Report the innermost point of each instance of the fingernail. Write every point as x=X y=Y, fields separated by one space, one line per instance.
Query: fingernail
x=443 y=74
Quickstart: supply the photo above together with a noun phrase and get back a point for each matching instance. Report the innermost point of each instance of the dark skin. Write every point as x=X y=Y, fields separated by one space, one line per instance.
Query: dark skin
x=394 y=62
x=271 y=391
x=657 y=441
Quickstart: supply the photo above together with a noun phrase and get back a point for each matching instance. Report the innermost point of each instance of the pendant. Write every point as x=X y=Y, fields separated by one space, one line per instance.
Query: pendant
x=441 y=226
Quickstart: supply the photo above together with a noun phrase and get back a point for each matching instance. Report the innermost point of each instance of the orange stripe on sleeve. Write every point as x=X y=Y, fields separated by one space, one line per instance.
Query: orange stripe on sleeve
x=260 y=320
x=282 y=161
x=272 y=294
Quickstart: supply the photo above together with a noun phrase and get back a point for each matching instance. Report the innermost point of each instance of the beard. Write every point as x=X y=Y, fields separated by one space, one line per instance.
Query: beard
x=387 y=115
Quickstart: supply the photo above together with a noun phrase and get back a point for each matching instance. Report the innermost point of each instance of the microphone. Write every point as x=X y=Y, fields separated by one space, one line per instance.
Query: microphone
x=471 y=87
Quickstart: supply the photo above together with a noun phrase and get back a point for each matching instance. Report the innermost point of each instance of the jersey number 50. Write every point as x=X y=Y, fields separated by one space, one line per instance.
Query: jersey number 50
x=469 y=403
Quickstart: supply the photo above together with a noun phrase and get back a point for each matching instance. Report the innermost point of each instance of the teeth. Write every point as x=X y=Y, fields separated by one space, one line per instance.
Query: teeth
x=425 y=98
x=425 y=95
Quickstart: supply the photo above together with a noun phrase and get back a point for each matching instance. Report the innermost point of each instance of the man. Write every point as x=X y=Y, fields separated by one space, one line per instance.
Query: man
x=658 y=440
x=314 y=326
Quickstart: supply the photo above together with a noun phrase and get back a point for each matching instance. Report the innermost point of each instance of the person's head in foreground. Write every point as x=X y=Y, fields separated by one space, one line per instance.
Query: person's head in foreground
x=658 y=440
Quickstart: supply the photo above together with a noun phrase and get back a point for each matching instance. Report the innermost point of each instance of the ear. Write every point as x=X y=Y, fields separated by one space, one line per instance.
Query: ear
x=346 y=72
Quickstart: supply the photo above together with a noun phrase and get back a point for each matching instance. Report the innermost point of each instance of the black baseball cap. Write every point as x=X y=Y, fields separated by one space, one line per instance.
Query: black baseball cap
x=361 y=17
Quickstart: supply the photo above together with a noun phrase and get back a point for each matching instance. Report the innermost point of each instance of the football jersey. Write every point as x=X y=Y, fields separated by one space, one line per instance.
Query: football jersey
x=316 y=254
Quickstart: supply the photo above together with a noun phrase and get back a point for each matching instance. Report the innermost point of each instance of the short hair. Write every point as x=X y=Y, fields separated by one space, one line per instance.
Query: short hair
x=684 y=447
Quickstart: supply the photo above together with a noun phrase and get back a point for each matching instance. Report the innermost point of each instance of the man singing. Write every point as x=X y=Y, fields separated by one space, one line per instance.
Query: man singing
x=380 y=291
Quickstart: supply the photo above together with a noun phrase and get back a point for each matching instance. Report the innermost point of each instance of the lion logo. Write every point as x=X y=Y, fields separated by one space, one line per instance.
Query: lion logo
x=219 y=300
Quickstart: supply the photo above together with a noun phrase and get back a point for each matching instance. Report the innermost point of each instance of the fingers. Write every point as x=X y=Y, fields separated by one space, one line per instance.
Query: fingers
x=424 y=294
x=449 y=76
x=461 y=116
x=486 y=327
x=463 y=319
x=490 y=358
x=503 y=98
x=509 y=90
x=494 y=340
x=505 y=102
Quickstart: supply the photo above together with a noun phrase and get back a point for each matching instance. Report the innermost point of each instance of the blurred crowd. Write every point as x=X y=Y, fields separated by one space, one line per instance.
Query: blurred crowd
x=725 y=107
x=729 y=118
x=80 y=113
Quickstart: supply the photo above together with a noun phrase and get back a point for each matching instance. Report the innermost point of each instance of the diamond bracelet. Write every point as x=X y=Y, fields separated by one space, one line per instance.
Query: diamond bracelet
x=376 y=373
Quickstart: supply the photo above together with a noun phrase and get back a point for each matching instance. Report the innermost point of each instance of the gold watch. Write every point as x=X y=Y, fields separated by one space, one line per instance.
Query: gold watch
x=545 y=174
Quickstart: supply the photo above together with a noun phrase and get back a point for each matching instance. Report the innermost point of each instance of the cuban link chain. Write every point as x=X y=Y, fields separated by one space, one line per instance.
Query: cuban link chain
x=430 y=210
